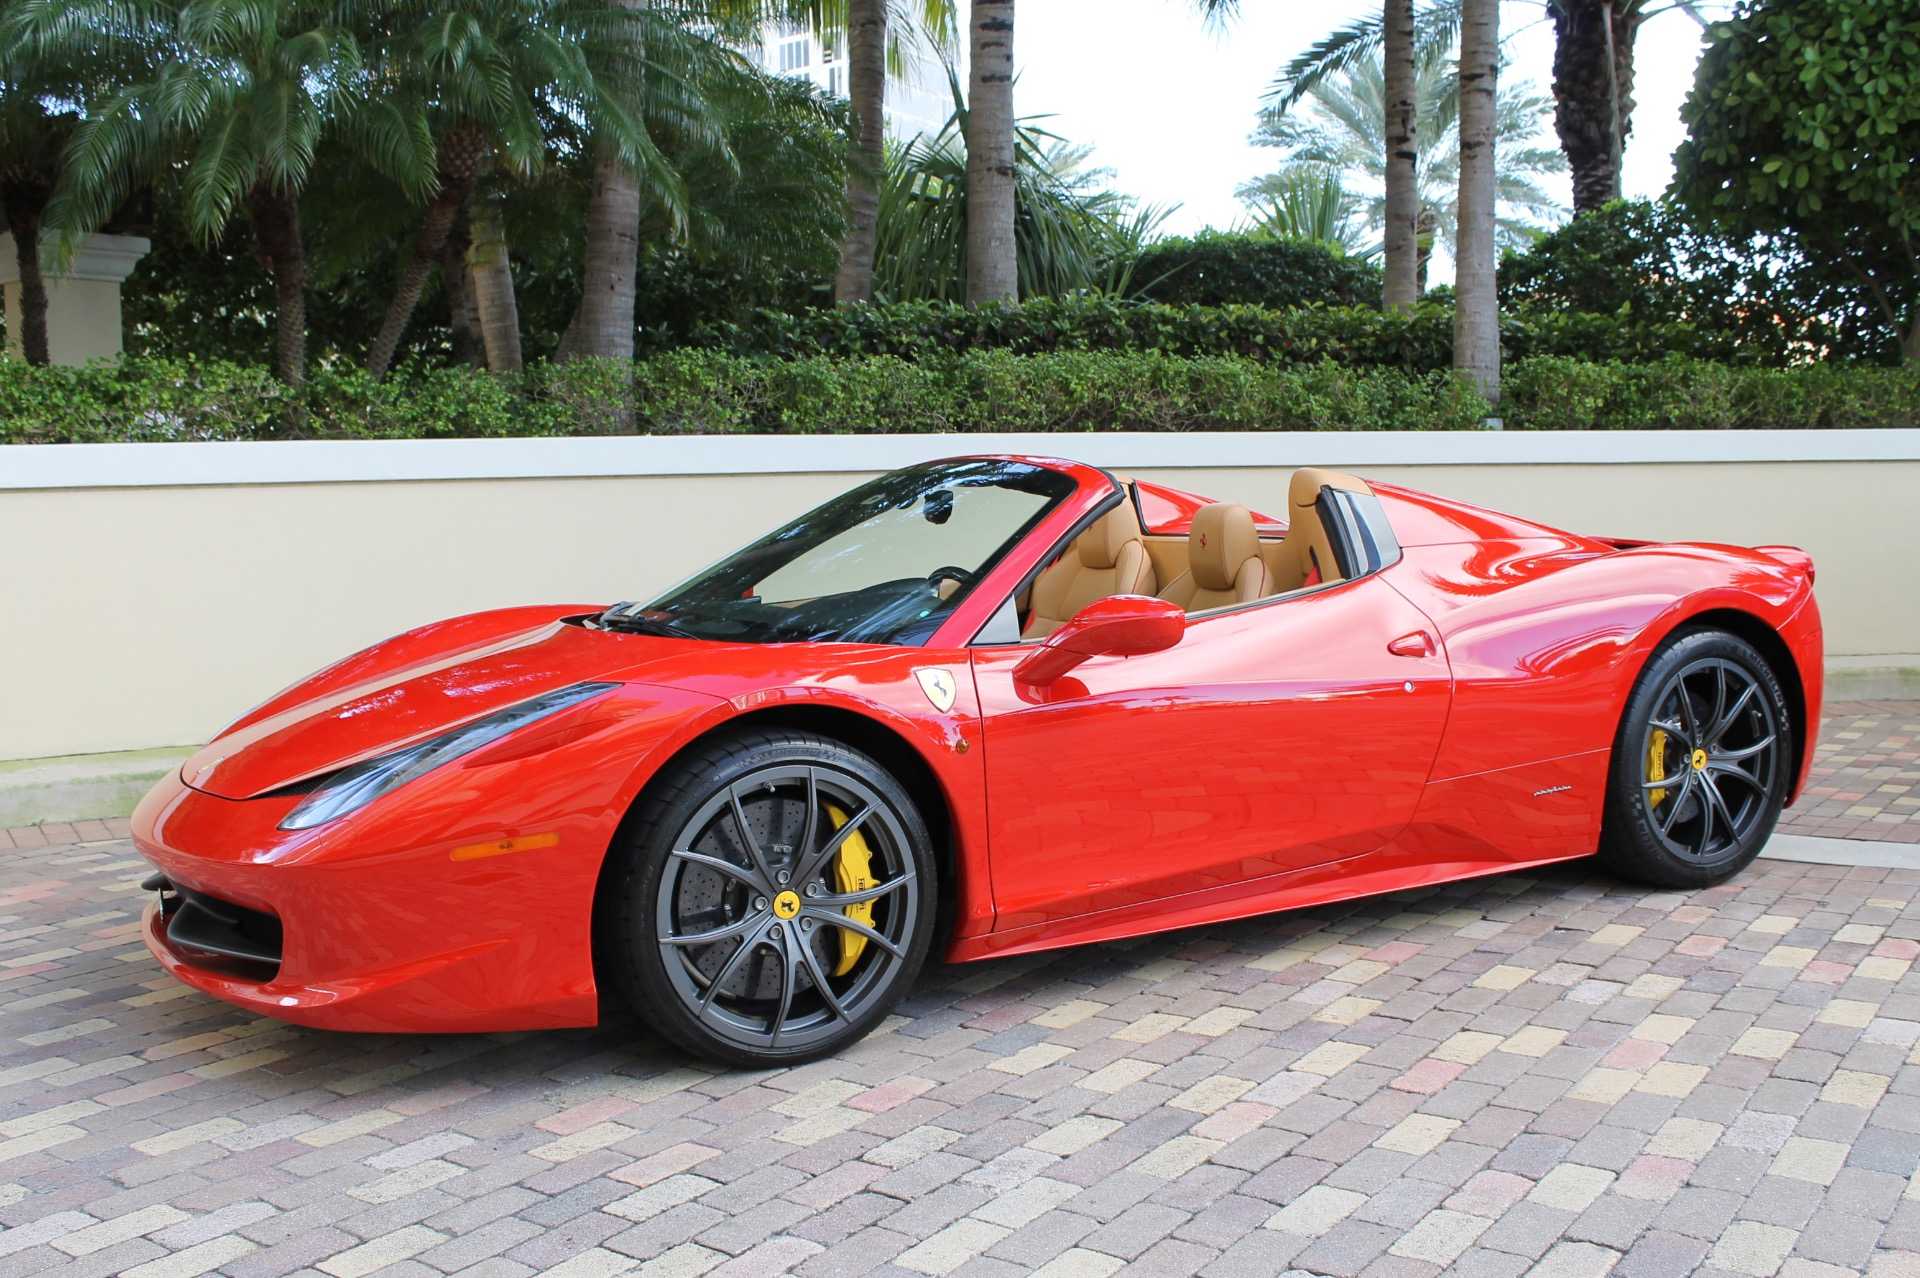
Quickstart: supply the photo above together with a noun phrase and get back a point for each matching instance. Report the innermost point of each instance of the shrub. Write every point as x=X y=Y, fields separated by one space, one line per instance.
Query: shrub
x=1420 y=339
x=692 y=392
x=1749 y=299
x=1223 y=269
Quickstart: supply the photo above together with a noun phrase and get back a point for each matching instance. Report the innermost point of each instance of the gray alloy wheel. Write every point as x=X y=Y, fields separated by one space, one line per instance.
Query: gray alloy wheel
x=780 y=902
x=1701 y=767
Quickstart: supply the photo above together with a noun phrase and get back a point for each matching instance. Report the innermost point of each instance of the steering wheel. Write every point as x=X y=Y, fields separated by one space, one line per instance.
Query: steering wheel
x=958 y=576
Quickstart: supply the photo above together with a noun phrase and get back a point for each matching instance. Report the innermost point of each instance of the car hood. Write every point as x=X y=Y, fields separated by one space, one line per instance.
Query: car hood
x=398 y=694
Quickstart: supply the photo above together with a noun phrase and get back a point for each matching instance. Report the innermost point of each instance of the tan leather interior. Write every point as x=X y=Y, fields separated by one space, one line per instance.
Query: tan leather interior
x=1305 y=556
x=1107 y=559
x=1220 y=562
x=1223 y=561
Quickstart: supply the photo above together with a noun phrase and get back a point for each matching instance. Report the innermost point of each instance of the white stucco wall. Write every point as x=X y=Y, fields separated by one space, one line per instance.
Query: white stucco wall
x=151 y=592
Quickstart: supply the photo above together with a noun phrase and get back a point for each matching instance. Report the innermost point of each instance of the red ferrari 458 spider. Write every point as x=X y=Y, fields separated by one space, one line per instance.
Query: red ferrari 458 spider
x=988 y=704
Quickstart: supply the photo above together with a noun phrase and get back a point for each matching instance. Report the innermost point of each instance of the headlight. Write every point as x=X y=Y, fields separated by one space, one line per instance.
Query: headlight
x=354 y=787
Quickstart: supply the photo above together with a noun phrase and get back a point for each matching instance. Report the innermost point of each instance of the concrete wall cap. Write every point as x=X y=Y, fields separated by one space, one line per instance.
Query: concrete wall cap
x=170 y=465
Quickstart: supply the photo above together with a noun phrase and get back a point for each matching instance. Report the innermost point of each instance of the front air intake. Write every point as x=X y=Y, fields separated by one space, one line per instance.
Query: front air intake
x=219 y=934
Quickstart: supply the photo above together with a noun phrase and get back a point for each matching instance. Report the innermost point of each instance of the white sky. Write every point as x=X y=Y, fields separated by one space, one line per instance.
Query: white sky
x=1168 y=104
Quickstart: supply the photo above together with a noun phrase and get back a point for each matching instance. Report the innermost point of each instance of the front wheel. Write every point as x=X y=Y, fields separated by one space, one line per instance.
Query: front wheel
x=774 y=898
x=1700 y=766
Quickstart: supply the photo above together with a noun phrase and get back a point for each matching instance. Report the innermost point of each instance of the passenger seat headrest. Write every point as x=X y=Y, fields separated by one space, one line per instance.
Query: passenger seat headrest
x=1101 y=544
x=1220 y=542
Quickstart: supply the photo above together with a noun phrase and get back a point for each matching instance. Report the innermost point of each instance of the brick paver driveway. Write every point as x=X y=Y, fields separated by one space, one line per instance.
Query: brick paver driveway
x=1866 y=781
x=1544 y=1070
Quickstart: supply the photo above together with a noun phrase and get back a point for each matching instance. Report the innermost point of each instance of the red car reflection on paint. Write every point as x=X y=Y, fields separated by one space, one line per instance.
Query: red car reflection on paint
x=989 y=704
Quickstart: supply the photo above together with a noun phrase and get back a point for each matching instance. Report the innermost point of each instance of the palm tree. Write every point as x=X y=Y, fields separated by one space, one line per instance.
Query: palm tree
x=1306 y=202
x=871 y=57
x=992 y=267
x=1397 y=33
x=1401 y=285
x=1593 y=90
x=681 y=72
x=32 y=138
x=1476 y=311
x=867 y=88
x=1072 y=233
x=1344 y=126
x=488 y=278
x=41 y=92
x=484 y=86
x=239 y=95
x=1592 y=75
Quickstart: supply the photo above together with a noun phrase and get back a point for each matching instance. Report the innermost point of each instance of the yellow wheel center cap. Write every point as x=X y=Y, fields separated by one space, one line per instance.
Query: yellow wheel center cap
x=787 y=904
x=1699 y=760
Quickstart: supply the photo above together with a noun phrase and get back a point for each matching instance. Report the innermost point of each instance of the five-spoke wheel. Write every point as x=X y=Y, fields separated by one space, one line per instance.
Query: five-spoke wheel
x=775 y=900
x=1700 y=766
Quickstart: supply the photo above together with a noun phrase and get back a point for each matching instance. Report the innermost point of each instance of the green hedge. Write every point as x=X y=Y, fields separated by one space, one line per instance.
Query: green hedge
x=1357 y=336
x=1218 y=268
x=708 y=392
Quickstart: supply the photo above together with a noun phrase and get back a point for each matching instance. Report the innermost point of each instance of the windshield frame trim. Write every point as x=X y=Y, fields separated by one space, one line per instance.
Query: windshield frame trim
x=1096 y=493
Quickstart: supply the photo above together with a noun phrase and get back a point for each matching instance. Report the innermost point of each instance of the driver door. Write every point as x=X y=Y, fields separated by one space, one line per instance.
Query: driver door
x=1271 y=738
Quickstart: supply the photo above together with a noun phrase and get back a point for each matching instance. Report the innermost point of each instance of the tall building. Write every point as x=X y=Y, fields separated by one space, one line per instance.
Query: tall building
x=919 y=101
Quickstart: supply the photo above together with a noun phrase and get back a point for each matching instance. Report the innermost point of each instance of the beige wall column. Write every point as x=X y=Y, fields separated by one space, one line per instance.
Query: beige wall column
x=83 y=300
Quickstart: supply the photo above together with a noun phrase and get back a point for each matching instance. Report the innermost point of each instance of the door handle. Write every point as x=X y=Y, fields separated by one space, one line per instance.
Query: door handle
x=1417 y=644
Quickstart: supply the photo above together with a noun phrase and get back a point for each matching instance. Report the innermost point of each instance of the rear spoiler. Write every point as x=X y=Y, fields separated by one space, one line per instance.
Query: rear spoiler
x=1790 y=556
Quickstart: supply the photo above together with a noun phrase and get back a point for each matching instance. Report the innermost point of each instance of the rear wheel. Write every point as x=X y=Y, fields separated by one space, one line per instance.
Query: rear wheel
x=1700 y=766
x=774 y=898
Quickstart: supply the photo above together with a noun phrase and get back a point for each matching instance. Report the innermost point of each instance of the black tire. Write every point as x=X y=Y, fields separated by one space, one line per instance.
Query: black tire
x=1710 y=709
x=796 y=795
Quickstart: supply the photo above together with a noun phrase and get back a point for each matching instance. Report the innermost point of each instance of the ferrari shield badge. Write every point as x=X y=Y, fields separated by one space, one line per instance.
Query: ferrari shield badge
x=938 y=685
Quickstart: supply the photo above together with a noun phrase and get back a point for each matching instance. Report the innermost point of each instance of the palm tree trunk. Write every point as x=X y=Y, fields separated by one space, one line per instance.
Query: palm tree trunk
x=1593 y=92
x=867 y=85
x=1402 y=250
x=456 y=282
x=1476 y=314
x=26 y=203
x=276 y=229
x=442 y=211
x=1910 y=344
x=992 y=269
x=603 y=325
x=1426 y=227
x=491 y=273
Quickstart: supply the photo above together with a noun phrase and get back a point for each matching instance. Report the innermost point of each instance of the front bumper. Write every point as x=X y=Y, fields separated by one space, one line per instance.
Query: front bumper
x=382 y=927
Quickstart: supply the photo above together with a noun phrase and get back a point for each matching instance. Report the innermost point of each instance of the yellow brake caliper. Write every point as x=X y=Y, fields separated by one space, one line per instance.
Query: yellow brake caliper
x=852 y=872
x=1657 y=765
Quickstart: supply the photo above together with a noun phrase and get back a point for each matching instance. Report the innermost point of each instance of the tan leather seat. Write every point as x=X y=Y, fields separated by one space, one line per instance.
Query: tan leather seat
x=1306 y=556
x=1223 y=561
x=1109 y=558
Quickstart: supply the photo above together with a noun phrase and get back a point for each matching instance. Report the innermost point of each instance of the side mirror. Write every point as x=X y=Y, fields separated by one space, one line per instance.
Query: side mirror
x=1117 y=626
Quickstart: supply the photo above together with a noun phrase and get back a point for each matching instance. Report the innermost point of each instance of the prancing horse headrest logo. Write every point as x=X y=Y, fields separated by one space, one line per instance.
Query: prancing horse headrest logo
x=938 y=685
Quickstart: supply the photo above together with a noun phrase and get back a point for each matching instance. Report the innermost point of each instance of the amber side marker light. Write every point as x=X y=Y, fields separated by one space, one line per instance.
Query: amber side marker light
x=501 y=847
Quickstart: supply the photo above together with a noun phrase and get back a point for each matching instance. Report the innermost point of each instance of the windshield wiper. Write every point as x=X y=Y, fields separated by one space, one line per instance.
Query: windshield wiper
x=615 y=618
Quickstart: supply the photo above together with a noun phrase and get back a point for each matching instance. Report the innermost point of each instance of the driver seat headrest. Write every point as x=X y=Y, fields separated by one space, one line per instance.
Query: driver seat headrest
x=1102 y=544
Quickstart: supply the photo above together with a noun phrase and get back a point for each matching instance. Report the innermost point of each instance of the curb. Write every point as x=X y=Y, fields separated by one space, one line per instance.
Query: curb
x=1887 y=677
x=82 y=787
x=1811 y=850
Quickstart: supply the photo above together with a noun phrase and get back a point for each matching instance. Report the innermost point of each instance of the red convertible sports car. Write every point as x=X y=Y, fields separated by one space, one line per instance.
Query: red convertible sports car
x=989 y=704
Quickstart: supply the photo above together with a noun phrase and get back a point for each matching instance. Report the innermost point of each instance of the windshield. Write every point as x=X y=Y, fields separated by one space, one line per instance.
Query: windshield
x=884 y=563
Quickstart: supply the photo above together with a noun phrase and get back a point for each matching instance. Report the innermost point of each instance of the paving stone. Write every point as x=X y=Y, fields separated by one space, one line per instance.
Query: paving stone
x=1550 y=1070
